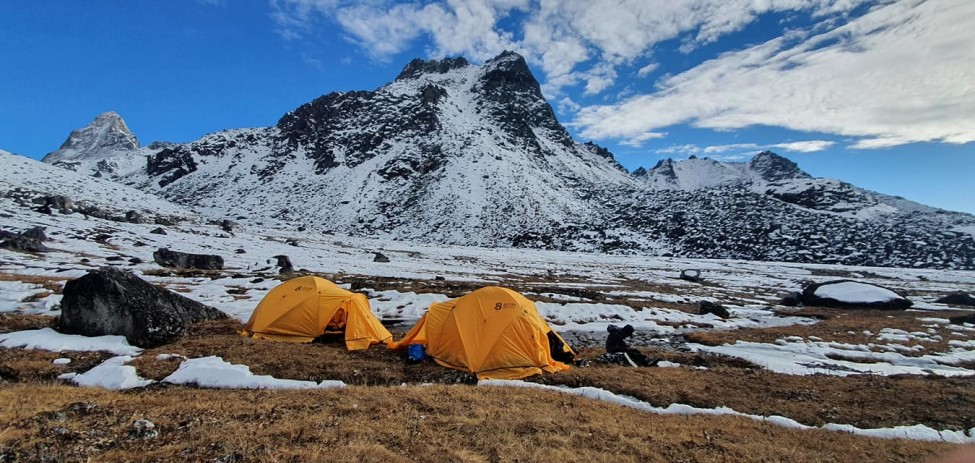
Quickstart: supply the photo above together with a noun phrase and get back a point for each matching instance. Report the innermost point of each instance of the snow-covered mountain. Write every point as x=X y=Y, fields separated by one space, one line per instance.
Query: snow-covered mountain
x=448 y=152
x=105 y=147
x=460 y=154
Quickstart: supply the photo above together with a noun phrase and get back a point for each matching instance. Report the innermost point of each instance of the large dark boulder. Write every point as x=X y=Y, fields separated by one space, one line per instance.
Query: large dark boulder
x=110 y=301
x=285 y=263
x=23 y=243
x=853 y=295
x=176 y=259
x=36 y=233
x=708 y=307
x=959 y=298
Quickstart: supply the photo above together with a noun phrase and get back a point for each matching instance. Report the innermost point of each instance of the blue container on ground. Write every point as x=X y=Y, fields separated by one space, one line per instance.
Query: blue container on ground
x=416 y=352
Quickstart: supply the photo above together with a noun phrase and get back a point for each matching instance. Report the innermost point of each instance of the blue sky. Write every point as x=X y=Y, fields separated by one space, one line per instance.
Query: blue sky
x=877 y=93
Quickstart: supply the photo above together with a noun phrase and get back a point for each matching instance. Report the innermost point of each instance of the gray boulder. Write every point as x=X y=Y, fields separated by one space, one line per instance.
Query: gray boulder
x=285 y=263
x=960 y=298
x=849 y=294
x=176 y=259
x=110 y=301
x=380 y=257
x=707 y=307
x=36 y=233
x=22 y=243
x=691 y=275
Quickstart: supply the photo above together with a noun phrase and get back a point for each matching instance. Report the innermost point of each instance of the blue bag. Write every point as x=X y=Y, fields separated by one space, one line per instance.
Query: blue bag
x=416 y=352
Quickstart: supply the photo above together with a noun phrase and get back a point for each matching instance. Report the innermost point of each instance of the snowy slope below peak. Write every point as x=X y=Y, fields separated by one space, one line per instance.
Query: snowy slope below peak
x=28 y=179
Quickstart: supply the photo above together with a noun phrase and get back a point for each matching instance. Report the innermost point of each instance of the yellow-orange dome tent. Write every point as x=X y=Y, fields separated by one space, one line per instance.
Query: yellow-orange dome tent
x=492 y=332
x=303 y=308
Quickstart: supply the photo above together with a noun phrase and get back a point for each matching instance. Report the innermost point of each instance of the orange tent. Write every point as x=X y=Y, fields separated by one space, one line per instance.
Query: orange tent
x=492 y=332
x=303 y=308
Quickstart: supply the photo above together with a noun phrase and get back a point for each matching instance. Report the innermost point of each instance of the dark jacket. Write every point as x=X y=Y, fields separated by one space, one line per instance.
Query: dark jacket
x=615 y=342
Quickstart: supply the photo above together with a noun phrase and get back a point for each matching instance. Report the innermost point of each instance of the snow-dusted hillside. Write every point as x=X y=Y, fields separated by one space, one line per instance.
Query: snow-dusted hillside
x=26 y=181
x=452 y=153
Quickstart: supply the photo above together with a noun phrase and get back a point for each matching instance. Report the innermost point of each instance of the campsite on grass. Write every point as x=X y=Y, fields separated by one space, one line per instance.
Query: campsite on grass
x=302 y=361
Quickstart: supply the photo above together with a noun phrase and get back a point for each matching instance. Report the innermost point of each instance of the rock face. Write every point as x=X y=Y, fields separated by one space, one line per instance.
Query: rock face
x=115 y=302
x=176 y=259
x=852 y=294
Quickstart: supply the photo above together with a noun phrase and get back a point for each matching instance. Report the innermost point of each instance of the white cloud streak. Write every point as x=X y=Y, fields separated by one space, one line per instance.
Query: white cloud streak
x=902 y=73
x=807 y=146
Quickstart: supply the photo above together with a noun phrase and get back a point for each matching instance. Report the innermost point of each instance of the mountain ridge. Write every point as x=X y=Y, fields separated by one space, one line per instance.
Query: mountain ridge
x=454 y=153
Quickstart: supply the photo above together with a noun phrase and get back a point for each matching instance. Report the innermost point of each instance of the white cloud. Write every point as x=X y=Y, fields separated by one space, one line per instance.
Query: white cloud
x=647 y=70
x=808 y=146
x=573 y=41
x=903 y=72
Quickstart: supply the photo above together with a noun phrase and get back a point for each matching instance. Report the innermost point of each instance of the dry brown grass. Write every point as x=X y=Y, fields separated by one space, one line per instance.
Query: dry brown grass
x=14 y=321
x=52 y=284
x=434 y=423
x=843 y=326
x=20 y=365
x=864 y=401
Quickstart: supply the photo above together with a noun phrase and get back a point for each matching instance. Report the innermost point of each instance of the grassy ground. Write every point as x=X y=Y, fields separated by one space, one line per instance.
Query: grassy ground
x=396 y=411
x=450 y=420
x=47 y=422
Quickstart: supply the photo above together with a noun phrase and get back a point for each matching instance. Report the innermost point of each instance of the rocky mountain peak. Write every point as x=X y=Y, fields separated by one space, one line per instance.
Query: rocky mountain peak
x=664 y=168
x=419 y=67
x=773 y=168
x=106 y=134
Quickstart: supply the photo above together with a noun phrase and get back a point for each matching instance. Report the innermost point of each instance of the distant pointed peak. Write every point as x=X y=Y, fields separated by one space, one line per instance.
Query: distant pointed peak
x=773 y=167
x=106 y=133
x=419 y=67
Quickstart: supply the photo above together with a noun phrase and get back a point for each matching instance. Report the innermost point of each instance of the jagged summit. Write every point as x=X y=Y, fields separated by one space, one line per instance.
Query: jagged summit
x=697 y=173
x=105 y=135
x=418 y=67
x=772 y=167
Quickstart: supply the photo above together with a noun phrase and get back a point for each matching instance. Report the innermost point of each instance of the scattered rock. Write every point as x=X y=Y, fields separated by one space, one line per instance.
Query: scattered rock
x=175 y=259
x=114 y=258
x=292 y=242
x=285 y=263
x=36 y=233
x=158 y=231
x=707 y=307
x=240 y=251
x=164 y=221
x=135 y=261
x=854 y=295
x=792 y=300
x=109 y=301
x=61 y=203
x=143 y=429
x=691 y=275
x=959 y=298
x=439 y=278
x=134 y=217
x=961 y=320
x=23 y=244
x=380 y=257
x=227 y=226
